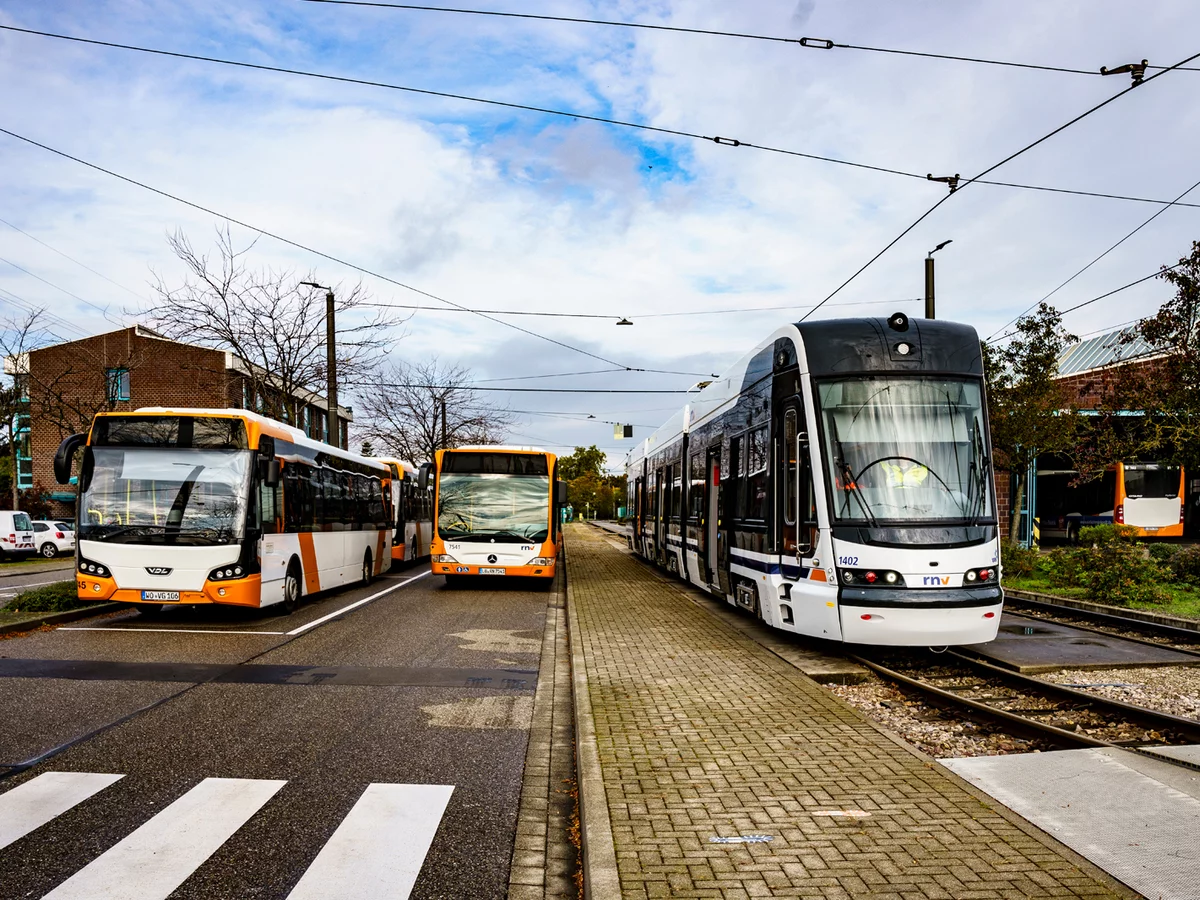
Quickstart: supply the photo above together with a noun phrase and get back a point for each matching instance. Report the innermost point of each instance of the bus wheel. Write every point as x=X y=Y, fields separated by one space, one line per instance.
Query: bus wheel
x=368 y=569
x=291 y=588
x=149 y=610
x=454 y=581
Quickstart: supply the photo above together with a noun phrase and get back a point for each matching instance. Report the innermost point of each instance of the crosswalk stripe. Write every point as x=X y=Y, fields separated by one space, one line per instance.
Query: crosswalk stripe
x=160 y=855
x=377 y=851
x=40 y=799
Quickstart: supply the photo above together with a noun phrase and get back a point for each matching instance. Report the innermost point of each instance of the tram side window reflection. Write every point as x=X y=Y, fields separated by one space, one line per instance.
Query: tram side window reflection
x=757 y=455
x=697 y=477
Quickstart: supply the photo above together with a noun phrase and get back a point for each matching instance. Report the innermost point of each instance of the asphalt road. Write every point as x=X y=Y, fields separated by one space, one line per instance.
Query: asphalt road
x=360 y=748
x=16 y=578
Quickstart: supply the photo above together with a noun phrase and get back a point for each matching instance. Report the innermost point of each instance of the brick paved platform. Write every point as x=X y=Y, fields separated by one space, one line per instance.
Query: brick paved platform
x=700 y=733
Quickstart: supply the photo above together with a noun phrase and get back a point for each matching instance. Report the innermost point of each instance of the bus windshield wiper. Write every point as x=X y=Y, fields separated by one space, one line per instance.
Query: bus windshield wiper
x=508 y=536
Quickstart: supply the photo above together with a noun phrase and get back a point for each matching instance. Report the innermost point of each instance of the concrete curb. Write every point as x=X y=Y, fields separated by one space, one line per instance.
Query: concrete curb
x=1140 y=614
x=71 y=615
x=38 y=568
x=601 y=880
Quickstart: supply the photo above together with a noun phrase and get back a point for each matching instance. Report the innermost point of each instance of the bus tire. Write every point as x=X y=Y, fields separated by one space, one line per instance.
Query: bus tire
x=368 y=570
x=1073 y=533
x=291 y=587
x=455 y=582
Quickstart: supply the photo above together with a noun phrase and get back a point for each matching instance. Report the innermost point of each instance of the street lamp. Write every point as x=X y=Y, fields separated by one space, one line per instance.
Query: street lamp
x=929 y=279
x=333 y=436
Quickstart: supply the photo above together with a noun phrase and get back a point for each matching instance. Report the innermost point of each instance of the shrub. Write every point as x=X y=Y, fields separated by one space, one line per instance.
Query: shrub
x=1118 y=569
x=1163 y=553
x=50 y=598
x=1184 y=563
x=1018 y=561
x=1067 y=566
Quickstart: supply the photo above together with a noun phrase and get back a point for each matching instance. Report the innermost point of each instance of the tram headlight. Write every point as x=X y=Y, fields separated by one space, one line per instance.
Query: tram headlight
x=872 y=578
x=986 y=575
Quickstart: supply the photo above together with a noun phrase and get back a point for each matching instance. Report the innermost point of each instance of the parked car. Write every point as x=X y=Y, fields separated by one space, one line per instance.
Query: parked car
x=53 y=537
x=16 y=534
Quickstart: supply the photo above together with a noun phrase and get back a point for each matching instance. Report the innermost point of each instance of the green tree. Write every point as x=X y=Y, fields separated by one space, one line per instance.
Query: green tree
x=583 y=461
x=1165 y=384
x=1030 y=412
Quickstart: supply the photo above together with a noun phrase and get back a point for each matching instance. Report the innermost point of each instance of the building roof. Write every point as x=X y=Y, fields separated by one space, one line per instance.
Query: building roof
x=1105 y=350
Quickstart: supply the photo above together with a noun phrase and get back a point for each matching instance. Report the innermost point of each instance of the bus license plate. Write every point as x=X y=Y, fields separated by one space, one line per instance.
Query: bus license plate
x=484 y=571
x=163 y=596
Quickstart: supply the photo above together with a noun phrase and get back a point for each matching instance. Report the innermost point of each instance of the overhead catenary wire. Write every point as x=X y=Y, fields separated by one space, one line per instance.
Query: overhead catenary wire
x=316 y=252
x=993 y=168
x=1092 y=263
x=522 y=390
x=103 y=309
x=717 y=139
x=72 y=259
x=813 y=43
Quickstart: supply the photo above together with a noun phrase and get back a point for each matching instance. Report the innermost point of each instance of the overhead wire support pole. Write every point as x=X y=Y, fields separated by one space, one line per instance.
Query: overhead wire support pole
x=333 y=430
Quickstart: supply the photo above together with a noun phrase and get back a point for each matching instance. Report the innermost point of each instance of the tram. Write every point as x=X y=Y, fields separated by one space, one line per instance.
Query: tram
x=836 y=482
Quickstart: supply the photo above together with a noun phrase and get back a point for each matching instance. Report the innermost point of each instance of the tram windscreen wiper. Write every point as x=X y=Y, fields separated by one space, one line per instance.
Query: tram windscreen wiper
x=980 y=467
x=849 y=485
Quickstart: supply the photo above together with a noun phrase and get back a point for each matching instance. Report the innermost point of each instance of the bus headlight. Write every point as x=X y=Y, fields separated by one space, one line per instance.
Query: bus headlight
x=444 y=558
x=90 y=568
x=541 y=561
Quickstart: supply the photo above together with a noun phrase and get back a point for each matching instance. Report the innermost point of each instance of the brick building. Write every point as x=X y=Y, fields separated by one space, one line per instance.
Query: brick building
x=66 y=384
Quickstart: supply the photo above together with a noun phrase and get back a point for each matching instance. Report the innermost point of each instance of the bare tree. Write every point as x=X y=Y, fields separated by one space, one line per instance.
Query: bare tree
x=269 y=320
x=401 y=410
x=17 y=337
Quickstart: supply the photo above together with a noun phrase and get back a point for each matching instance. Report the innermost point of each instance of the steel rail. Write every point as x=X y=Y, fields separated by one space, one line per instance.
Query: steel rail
x=1022 y=724
x=1192 y=634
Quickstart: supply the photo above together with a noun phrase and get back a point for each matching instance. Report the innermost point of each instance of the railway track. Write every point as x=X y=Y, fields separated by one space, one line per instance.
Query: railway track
x=1057 y=715
x=1160 y=634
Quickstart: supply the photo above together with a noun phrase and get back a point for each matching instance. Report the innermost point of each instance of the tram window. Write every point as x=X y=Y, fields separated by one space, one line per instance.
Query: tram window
x=651 y=494
x=737 y=469
x=676 y=493
x=789 y=467
x=757 y=456
x=696 y=489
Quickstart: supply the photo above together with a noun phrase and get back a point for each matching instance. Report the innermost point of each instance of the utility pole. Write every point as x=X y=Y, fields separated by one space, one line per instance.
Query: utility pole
x=929 y=305
x=333 y=430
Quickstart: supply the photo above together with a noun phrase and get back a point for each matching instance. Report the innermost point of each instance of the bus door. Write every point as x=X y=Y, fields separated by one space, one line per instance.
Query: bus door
x=712 y=514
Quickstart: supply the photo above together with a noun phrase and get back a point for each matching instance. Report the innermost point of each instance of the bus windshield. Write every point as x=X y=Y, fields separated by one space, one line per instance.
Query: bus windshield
x=158 y=495
x=905 y=449
x=503 y=507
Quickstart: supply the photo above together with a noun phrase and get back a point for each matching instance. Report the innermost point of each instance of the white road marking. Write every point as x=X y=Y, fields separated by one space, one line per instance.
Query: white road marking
x=482 y=712
x=495 y=640
x=40 y=799
x=355 y=605
x=20 y=588
x=160 y=855
x=377 y=851
x=136 y=630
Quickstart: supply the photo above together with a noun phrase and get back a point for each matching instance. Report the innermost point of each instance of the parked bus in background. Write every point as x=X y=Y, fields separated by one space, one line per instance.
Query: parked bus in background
x=1146 y=496
x=412 y=513
x=497 y=513
x=191 y=506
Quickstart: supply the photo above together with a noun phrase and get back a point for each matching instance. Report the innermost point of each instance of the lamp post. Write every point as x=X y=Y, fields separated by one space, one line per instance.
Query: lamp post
x=333 y=435
x=929 y=279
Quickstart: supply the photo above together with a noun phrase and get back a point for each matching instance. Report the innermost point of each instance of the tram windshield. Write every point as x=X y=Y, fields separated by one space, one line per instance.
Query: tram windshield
x=905 y=449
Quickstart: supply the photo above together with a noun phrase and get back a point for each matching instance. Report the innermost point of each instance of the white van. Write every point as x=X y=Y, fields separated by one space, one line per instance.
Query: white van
x=16 y=533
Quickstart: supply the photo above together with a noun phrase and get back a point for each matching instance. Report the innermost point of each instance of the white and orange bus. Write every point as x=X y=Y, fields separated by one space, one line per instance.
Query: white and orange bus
x=1147 y=496
x=497 y=513
x=412 y=512
x=199 y=506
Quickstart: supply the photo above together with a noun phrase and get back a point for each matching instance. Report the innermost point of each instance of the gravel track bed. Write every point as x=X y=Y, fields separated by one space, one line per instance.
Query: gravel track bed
x=1169 y=689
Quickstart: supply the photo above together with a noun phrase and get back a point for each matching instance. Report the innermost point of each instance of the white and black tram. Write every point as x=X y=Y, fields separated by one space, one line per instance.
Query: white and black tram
x=837 y=483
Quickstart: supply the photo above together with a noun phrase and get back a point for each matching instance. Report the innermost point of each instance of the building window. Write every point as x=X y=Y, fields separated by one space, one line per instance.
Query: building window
x=117 y=382
x=245 y=394
x=24 y=453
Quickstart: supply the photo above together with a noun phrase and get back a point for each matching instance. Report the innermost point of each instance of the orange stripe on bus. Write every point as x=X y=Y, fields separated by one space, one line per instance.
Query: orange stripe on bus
x=308 y=559
x=379 y=552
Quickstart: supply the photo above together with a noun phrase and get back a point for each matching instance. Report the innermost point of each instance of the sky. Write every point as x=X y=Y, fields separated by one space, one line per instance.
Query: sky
x=492 y=207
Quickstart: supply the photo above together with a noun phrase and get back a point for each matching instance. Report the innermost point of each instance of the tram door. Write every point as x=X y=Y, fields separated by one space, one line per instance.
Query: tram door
x=712 y=514
x=726 y=485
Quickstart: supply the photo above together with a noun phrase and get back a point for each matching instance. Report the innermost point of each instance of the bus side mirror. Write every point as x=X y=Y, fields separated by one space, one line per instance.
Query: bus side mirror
x=560 y=493
x=423 y=476
x=272 y=473
x=64 y=456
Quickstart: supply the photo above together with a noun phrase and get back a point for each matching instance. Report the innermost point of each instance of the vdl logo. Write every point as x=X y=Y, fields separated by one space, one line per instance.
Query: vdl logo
x=936 y=580
x=158 y=570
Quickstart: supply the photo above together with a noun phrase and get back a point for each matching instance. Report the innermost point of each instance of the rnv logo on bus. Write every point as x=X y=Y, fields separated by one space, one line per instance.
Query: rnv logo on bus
x=936 y=580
